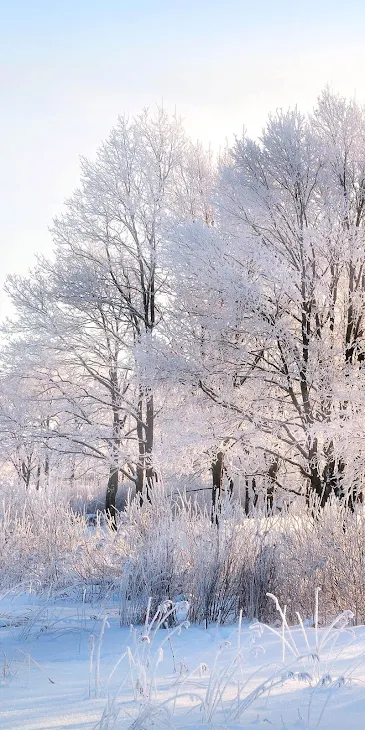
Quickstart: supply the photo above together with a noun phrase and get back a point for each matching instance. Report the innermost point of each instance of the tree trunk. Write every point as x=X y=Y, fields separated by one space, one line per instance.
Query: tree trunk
x=146 y=475
x=111 y=495
x=46 y=457
x=217 y=475
x=333 y=472
x=26 y=471
x=72 y=472
x=272 y=473
x=325 y=484
x=113 y=481
x=38 y=477
x=150 y=473
x=140 y=470
x=246 y=504
x=251 y=495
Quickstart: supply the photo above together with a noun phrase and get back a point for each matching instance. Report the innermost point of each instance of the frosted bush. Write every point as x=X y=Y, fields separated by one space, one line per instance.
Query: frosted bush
x=169 y=549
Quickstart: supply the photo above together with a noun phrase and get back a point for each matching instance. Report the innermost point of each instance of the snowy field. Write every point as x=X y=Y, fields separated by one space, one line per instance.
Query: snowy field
x=68 y=666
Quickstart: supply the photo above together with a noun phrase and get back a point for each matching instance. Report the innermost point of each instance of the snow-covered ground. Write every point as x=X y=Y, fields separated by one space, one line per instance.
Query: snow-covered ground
x=66 y=666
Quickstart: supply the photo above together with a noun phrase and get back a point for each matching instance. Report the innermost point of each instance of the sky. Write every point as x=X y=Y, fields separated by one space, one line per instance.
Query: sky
x=69 y=67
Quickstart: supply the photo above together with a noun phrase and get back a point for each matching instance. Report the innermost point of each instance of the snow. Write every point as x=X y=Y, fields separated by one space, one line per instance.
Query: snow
x=46 y=683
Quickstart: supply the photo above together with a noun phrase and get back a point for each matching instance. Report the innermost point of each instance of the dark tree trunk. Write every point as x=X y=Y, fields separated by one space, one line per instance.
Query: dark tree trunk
x=251 y=495
x=38 y=476
x=217 y=475
x=26 y=471
x=46 y=469
x=150 y=473
x=273 y=472
x=111 y=496
x=333 y=473
x=321 y=489
x=113 y=481
x=72 y=472
x=317 y=485
x=140 y=470
x=146 y=475
x=246 y=504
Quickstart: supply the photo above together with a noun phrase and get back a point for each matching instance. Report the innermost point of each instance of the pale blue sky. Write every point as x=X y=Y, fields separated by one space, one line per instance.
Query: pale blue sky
x=68 y=67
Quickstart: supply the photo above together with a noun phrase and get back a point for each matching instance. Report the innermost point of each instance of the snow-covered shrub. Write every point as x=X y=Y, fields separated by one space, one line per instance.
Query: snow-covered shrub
x=327 y=549
x=170 y=549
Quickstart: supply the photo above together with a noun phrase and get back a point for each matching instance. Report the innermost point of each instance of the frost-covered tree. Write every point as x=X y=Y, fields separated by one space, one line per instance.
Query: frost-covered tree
x=237 y=303
x=274 y=296
x=104 y=292
x=18 y=423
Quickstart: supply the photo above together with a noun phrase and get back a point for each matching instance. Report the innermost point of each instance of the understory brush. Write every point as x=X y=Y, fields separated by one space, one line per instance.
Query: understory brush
x=170 y=549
